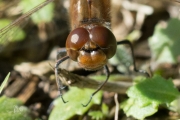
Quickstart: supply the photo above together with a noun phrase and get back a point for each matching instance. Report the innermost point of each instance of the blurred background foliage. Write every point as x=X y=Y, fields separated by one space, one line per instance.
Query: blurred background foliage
x=27 y=49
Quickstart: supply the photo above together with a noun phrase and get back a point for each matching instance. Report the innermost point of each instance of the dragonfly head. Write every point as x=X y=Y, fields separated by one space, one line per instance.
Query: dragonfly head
x=91 y=48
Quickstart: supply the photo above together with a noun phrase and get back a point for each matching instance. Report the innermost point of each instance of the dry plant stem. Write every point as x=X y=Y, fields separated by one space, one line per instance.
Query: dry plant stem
x=117 y=106
x=71 y=79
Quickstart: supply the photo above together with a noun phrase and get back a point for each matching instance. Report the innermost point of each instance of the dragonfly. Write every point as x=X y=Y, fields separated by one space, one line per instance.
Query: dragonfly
x=90 y=43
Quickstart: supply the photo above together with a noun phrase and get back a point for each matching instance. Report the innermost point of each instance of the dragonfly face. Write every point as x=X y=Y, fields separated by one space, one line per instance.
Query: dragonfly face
x=91 y=47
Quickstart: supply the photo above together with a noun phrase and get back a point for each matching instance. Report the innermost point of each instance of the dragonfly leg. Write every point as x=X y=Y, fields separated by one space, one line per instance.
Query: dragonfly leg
x=132 y=52
x=60 y=53
x=107 y=77
x=58 y=81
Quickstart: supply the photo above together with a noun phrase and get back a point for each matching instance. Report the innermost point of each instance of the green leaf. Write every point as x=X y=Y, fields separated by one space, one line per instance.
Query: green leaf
x=96 y=115
x=134 y=35
x=165 y=42
x=155 y=89
x=148 y=94
x=76 y=97
x=14 y=34
x=175 y=105
x=131 y=108
x=12 y=109
x=122 y=59
x=105 y=109
x=43 y=15
x=4 y=22
x=4 y=82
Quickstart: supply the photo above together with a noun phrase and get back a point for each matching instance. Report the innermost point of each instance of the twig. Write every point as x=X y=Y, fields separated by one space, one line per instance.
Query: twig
x=71 y=79
x=117 y=106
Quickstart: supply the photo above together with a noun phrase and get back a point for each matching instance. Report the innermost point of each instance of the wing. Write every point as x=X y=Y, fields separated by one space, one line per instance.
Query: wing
x=6 y=32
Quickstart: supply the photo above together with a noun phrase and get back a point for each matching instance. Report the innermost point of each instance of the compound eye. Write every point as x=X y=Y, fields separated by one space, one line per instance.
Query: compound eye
x=105 y=39
x=75 y=41
x=77 y=38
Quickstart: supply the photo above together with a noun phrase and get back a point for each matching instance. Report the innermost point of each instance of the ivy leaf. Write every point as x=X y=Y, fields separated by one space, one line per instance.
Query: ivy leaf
x=147 y=95
x=165 y=42
x=76 y=97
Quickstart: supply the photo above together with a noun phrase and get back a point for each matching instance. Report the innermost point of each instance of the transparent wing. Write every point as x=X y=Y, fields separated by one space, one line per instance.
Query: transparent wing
x=7 y=32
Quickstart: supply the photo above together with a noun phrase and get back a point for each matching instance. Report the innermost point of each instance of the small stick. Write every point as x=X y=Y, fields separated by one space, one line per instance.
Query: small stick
x=117 y=106
x=71 y=79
